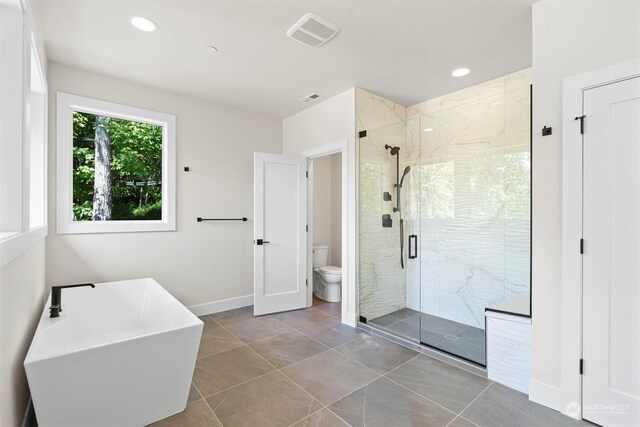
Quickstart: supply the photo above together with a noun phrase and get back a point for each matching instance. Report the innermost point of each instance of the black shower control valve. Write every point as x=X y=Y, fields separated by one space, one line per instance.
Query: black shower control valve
x=386 y=196
x=387 y=221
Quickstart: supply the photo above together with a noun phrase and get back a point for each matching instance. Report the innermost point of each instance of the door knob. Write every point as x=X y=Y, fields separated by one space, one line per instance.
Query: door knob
x=261 y=242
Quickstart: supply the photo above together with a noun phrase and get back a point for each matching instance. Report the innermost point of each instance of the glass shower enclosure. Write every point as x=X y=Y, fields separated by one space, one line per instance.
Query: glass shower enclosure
x=465 y=215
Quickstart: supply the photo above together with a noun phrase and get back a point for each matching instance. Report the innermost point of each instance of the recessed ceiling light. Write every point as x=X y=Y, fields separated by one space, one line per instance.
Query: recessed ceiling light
x=428 y=129
x=460 y=72
x=211 y=49
x=144 y=24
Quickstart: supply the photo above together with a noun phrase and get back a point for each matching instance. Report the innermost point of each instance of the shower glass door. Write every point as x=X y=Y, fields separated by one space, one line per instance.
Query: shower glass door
x=472 y=179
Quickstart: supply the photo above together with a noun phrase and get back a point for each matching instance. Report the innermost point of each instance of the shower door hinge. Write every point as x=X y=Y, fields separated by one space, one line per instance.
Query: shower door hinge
x=306 y=174
x=581 y=246
x=581 y=118
x=581 y=366
x=362 y=134
x=306 y=282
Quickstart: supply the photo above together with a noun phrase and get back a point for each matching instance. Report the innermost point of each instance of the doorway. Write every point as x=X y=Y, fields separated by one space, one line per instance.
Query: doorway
x=325 y=208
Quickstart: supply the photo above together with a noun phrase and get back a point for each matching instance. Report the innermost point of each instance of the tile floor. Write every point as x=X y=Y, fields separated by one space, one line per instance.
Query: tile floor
x=305 y=368
x=453 y=337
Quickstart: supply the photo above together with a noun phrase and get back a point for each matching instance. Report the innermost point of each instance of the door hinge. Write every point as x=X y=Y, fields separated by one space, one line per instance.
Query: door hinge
x=306 y=174
x=581 y=246
x=306 y=227
x=362 y=134
x=581 y=118
x=581 y=366
x=306 y=282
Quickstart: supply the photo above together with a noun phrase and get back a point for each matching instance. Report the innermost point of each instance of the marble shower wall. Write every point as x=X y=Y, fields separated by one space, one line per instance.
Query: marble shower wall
x=382 y=282
x=469 y=200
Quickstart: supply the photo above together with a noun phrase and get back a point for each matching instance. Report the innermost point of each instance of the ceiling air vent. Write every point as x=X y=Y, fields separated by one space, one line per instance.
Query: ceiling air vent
x=313 y=30
x=311 y=97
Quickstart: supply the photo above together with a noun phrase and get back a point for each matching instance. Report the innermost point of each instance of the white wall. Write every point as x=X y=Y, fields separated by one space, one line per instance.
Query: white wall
x=322 y=220
x=327 y=205
x=329 y=122
x=22 y=298
x=336 y=210
x=200 y=262
x=22 y=291
x=568 y=39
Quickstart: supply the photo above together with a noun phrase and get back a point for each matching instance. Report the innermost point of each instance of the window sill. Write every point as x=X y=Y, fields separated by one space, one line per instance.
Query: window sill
x=17 y=243
x=92 y=227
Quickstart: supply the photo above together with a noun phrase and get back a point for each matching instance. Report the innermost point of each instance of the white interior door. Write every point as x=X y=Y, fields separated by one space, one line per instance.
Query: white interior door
x=611 y=260
x=280 y=237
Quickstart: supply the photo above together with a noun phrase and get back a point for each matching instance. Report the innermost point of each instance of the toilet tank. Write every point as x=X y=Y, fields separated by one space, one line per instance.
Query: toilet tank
x=320 y=255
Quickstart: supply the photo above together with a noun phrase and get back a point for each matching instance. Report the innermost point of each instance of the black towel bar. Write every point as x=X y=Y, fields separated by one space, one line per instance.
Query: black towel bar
x=199 y=219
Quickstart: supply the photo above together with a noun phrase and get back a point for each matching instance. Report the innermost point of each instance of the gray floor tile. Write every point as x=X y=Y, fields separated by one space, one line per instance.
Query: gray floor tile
x=446 y=385
x=208 y=322
x=461 y=348
x=329 y=376
x=384 y=403
x=461 y=422
x=322 y=418
x=197 y=414
x=285 y=349
x=301 y=318
x=333 y=309
x=217 y=340
x=271 y=400
x=405 y=329
x=257 y=329
x=376 y=353
x=233 y=316
x=194 y=394
x=333 y=333
x=441 y=325
x=385 y=320
x=500 y=406
x=404 y=313
x=223 y=370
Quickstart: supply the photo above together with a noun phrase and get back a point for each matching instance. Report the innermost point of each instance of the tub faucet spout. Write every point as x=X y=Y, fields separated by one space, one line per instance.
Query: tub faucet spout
x=56 y=297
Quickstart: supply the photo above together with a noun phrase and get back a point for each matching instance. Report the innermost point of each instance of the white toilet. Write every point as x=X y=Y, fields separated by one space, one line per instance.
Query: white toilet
x=327 y=279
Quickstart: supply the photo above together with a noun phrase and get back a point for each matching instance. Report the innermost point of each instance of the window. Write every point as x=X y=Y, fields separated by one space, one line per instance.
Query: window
x=37 y=122
x=115 y=166
x=23 y=134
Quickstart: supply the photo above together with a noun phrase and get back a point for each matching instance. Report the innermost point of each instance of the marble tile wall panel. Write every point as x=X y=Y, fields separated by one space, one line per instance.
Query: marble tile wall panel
x=509 y=352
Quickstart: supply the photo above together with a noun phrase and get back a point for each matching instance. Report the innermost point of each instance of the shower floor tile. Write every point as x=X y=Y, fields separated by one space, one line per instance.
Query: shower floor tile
x=453 y=337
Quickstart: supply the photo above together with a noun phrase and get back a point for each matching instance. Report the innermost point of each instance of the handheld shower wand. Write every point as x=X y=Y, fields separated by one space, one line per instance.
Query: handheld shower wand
x=395 y=151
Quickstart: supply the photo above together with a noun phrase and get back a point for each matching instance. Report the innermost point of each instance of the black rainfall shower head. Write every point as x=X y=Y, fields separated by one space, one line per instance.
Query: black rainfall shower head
x=405 y=173
x=394 y=150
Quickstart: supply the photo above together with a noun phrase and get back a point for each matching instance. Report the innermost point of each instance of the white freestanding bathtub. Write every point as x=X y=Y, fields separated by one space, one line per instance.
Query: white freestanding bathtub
x=121 y=354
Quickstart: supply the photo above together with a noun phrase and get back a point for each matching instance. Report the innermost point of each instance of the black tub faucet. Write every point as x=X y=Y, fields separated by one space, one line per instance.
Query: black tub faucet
x=56 y=297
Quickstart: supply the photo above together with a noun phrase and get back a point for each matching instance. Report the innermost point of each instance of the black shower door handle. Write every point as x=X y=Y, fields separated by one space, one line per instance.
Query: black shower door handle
x=413 y=254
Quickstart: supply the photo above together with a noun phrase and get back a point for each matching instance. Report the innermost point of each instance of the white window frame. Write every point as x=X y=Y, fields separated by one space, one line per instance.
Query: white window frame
x=66 y=104
x=15 y=86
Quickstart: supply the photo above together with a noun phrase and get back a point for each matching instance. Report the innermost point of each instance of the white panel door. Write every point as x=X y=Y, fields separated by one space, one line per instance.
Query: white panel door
x=280 y=237
x=611 y=260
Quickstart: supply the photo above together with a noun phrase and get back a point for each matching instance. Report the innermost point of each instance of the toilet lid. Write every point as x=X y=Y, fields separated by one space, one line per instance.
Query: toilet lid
x=329 y=269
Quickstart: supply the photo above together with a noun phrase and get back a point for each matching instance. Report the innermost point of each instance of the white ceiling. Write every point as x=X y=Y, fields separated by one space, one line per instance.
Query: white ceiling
x=399 y=49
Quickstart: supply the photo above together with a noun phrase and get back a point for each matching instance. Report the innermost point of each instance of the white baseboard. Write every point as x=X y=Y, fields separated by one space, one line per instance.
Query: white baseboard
x=223 y=305
x=546 y=395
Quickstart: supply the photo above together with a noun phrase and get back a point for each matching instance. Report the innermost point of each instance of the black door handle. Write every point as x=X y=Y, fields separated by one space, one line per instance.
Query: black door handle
x=261 y=242
x=414 y=254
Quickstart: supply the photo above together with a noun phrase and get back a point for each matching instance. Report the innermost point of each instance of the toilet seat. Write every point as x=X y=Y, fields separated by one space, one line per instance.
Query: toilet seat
x=329 y=269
